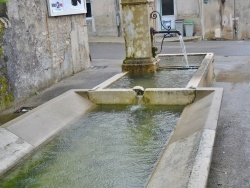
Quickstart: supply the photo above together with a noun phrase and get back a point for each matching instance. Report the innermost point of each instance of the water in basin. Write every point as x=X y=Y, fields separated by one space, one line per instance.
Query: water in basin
x=111 y=146
x=171 y=61
x=172 y=78
x=173 y=73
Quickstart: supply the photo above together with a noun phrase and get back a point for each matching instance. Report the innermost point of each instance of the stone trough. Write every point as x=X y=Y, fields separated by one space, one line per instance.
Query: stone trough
x=185 y=159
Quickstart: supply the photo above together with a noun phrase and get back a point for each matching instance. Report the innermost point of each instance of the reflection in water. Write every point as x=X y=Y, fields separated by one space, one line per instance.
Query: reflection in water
x=112 y=146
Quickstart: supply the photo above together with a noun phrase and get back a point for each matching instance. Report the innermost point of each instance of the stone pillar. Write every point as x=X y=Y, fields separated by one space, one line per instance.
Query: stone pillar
x=136 y=26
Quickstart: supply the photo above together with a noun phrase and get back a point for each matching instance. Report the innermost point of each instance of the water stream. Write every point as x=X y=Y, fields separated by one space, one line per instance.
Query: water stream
x=184 y=50
x=112 y=146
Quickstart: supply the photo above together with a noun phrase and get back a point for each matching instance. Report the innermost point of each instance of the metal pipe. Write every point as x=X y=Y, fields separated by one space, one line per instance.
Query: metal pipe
x=153 y=31
x=168 y=32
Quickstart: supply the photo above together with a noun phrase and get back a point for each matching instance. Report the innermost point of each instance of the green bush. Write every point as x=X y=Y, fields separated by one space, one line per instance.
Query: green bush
x=3 y=1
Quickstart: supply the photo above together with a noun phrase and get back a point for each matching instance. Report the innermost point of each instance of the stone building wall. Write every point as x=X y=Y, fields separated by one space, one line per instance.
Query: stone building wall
x=190 y=11
x=216 y=15
x=42 y=50
x=105 y=18
x=230 y=16
x=212 y=18
x=207 y=17
x=242 y=11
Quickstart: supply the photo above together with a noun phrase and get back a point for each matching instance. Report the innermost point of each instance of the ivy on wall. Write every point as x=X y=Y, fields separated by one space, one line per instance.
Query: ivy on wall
x=6 y=96
x=3 y=8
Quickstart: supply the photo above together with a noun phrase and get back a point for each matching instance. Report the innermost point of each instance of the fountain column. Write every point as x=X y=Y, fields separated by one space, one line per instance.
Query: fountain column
x=136 y=27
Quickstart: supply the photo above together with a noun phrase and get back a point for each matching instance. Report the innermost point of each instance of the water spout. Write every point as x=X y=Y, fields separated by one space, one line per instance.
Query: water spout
x=167 y=31
x=184 y=50
x=139 y=90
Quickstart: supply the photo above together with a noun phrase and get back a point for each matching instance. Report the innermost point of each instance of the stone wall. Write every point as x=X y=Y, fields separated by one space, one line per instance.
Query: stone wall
x=222 y=16
x=6 y=96
x=42 y=50
x=105 y=20
x=212 y=18
x=218 y=15
x=242 y=12
x=190 y=11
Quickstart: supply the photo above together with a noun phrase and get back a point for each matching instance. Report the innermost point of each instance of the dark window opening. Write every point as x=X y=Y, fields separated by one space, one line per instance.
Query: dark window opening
x=88 y=15
x=167 y=7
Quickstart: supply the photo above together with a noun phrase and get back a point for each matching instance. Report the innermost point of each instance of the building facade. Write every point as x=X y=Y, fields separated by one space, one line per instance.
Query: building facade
x=212 y=19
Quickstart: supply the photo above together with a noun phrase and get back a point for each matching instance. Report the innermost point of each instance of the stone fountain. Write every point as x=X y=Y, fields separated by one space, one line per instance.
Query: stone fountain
x=138 y=42
x=186 y=156
x=139 y=36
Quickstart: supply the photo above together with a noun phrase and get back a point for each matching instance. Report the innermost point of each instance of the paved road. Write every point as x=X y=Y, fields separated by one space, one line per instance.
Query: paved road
x=220 y=48
x=231 y=159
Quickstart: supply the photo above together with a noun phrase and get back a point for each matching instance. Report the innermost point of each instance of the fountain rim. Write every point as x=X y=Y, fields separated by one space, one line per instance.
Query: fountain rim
x=196 y=81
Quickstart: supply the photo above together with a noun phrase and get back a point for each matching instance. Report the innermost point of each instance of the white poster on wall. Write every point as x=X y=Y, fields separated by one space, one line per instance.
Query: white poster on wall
x=66 y=7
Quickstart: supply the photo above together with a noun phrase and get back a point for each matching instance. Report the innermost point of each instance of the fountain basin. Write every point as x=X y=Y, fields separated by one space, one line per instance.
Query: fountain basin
x=205 y=72
x=172 y=73
x=187 y=151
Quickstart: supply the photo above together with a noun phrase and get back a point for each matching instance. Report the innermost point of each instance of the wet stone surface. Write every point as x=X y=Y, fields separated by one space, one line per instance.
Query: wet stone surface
x=231 y=157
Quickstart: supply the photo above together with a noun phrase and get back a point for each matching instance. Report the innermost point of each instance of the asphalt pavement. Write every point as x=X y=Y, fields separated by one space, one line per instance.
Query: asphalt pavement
x=231 y=159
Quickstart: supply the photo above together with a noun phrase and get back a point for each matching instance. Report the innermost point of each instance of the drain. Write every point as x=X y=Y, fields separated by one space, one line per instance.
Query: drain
x=23 y=110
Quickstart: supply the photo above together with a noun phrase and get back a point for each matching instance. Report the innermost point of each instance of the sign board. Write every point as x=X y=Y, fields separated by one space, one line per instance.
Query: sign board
x=66 y=7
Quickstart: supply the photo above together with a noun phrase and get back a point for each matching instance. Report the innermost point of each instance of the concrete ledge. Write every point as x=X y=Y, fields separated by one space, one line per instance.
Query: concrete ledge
x=205 y=74
x=140 y=65
x=109 y=81
x=201 y=167
x=175 y=164
x=12 y=149
x=43 y=122
x=23 y=134
x=213 y=115
x=113 y=96
x=193 y=118
x=175 y=96
x=185 y=161
x=152 y=96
